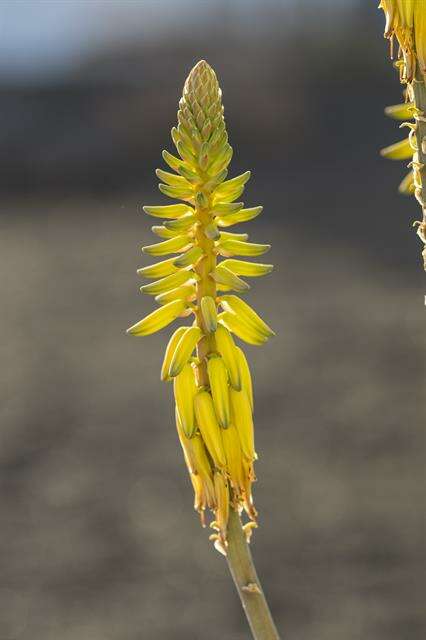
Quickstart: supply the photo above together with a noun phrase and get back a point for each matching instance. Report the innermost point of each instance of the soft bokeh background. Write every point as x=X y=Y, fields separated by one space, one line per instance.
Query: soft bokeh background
x=98 y=537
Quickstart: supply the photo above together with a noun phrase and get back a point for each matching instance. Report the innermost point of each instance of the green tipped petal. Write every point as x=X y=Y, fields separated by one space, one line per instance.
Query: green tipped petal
x=173 y=180
x=226 y=235
x=158 y=319
x=159 y=270
x=162 y=232
x=223 y=209
x=399 y=151
x=190 y=257
x=183 y=350
x=211 y=231
x=402 y=111
x=242 y=330
x=185 y=292
x=406 y=186
x=224 y=276
x=238 y=248
x=209 y=313
x=174 y=245
x=248 y=269
x=178 y=193
x=181 y=224
x=244 y=215
x=168 y=211
x=169 y=282
x=245 y=313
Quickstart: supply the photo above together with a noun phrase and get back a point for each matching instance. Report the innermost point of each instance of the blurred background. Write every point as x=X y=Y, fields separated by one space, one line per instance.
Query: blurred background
x=98 y=537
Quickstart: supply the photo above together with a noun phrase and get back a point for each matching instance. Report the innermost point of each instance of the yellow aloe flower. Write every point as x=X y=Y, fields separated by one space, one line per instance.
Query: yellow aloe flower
x=211 y=377
x=406 y=21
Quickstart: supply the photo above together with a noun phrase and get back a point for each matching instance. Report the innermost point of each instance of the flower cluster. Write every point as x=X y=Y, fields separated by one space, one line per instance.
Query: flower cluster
x=211 y=378
x=406 y=20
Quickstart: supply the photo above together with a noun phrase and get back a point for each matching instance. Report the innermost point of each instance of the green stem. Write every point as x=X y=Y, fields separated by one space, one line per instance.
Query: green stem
x=249 y=589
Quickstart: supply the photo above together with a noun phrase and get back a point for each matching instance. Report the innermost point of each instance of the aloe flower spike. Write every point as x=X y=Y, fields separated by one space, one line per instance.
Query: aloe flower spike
x=211 y=377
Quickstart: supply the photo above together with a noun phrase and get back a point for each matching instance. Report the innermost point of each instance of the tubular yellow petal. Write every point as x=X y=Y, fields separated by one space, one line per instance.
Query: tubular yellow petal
x=234 y=304
x=229 y=196
x=227 y=349
x=183 y=350
x=170 y=349
x=158 y=319
x=215 y=180
x=243 y=421
x=173 y=245
x=185 y=389
x=168 y=211
x=209 y=313
x=246 y=381
x=222 y=161
x=186 y=154
x=398 y=151
x=228 y=188
x=199 y=468
x=245 y=332
x=189 y=174
x=222 y=275
x=178 y=193
x=159 y=270
x=211 y=231
x=242 y=237
x=162 y=232
x=209 y=428
x=406 y=186
x=233 y=454
x=240 y=216
x=402 y=111
x=169 y=282
x=181 y=224
x=185 y=292
x=247 y=269
x=188 y=258
x=218 y=378
x=173 y=162
x=238 y=248
x=223 y=209
x=172 y=179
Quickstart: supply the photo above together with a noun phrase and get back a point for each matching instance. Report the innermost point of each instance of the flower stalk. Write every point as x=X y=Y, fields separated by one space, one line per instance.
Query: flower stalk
x=247 y=583
x=210 y=374
x=406 y=22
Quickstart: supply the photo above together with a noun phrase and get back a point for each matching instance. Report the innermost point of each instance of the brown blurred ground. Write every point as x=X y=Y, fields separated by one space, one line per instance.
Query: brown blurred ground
x=98 y=537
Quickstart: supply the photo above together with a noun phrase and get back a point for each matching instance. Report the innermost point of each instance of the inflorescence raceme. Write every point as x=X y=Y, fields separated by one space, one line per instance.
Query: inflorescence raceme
x=406 y=21
x=211 y=377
